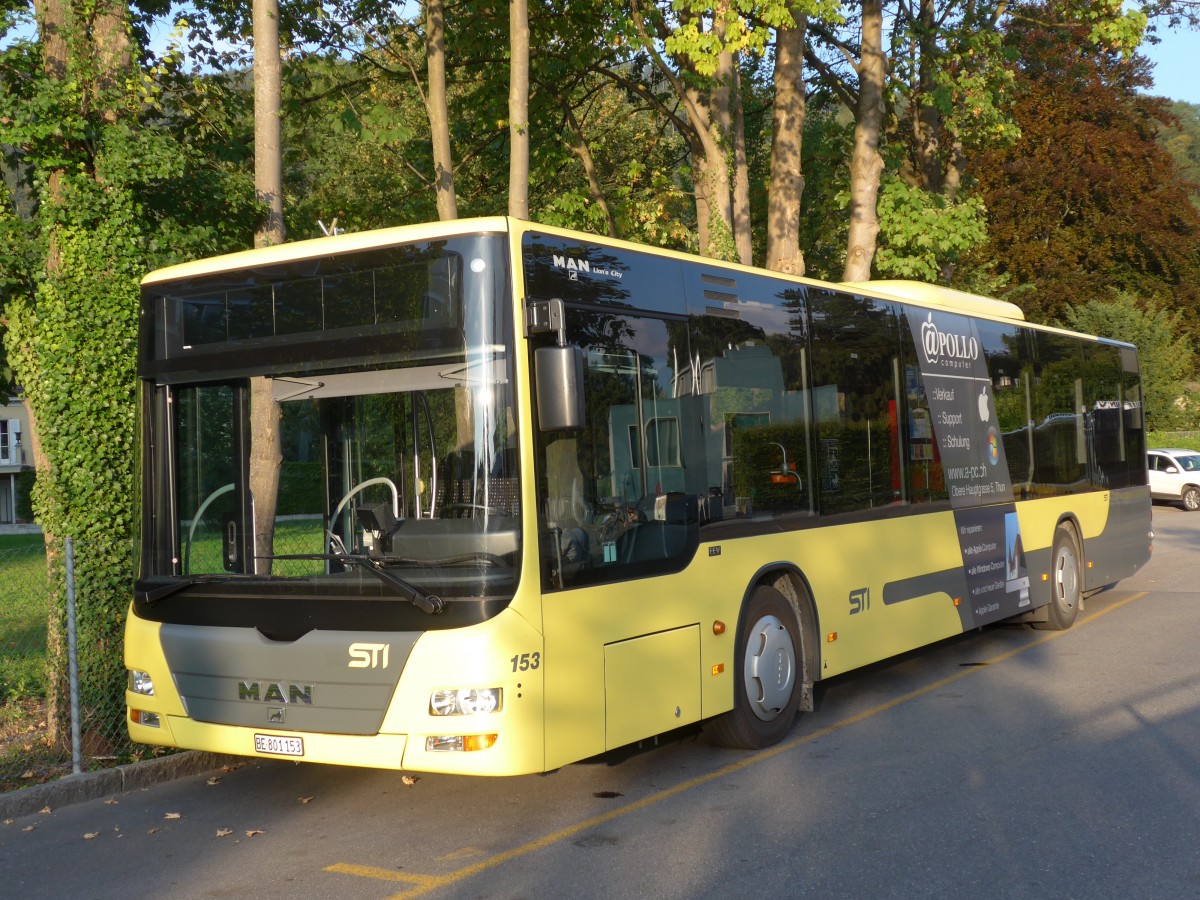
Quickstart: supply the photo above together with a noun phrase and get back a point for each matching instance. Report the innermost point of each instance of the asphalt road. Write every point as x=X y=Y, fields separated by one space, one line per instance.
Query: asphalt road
x=1004 y=763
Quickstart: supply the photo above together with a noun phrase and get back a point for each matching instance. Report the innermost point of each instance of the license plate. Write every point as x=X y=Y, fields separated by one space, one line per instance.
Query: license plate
x=278 y=746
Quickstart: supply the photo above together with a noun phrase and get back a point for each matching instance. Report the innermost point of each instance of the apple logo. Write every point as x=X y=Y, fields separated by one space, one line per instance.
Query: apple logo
x=929 y=339
x=983 y=406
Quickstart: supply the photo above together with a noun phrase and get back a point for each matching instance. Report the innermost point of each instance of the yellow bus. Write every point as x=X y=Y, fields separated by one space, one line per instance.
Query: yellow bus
x=489 y=497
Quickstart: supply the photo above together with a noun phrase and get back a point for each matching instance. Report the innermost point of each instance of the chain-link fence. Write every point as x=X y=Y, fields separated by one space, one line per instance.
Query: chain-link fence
x=61 y=686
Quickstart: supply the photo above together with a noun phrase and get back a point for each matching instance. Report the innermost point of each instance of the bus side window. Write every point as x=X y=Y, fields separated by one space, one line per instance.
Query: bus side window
x=857 y=394
x=610 y=494
x=749 y=371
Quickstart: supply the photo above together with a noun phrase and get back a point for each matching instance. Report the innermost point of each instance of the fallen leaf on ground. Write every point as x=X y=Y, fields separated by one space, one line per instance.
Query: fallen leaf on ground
x=216 y=779
x=45 y=811
x=152 y=831
x=29 y=828
x=224 y=832
x=410 y=780
x=173 y=816
x=305 y=799
x=253 y=831
x=111 y=802
x=90 y=835
x=10 y=821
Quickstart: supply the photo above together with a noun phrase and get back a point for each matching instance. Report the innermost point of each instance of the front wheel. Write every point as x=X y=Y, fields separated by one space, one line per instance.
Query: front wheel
x=766 y=675
x=1066 y=582
x=1191 y=498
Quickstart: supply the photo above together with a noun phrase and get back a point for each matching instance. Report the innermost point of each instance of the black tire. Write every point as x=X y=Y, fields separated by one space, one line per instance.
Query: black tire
x=1066 y=582
x=767 y=675
x=1191 y=498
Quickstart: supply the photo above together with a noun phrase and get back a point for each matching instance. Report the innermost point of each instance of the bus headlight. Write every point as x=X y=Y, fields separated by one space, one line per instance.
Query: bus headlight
x=459 y=743
x=465 y=701
x=141 y=717
x=141 y=683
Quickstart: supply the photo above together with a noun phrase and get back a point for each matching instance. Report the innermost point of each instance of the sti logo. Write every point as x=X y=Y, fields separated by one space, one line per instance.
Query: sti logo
x=860 y=600
x=368 y=656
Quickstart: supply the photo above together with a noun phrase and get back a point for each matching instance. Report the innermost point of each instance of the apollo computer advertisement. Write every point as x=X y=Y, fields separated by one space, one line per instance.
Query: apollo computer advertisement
x=959 y=391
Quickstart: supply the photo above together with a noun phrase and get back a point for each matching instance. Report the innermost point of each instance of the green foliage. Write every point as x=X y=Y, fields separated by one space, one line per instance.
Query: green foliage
x=828 y=139
x=1186 y=440
x=25 y=483
x=921 y=234
x=758 y=473
x=1112 y=24
x=95 y=219
x=701 y=33
x=970 y=84
x=1181 y=139
x=73 y=345
x=1164 y=351
x=299 y=489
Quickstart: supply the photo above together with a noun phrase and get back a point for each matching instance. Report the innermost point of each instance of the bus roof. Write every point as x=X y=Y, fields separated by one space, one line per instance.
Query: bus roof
x=930 y=294
x=937 y=295
x=327 y=246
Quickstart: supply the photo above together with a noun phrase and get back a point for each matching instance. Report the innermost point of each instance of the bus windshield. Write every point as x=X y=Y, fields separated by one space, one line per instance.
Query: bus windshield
x=393 y=474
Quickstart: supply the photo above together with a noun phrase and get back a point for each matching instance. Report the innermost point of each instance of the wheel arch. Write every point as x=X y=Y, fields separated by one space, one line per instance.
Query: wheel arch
x=789 y=580
x=1070 y=521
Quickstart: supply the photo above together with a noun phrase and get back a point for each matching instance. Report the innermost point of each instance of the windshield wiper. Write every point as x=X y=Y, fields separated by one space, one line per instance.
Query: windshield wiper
x=429 y=603
x=479 y=556
x=153 y=595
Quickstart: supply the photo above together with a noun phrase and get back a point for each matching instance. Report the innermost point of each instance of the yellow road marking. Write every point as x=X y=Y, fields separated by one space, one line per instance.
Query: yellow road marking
x=423 y=884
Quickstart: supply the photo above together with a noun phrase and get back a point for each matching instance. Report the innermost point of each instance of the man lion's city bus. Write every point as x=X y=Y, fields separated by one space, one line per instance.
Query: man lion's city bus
x=489 y=497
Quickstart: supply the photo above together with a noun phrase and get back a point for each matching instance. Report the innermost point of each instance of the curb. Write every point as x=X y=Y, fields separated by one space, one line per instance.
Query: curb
x=106 y=782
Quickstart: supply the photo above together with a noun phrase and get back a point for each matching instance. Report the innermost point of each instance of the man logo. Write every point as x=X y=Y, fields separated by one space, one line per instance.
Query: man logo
x=280 y=692
x=368 y=656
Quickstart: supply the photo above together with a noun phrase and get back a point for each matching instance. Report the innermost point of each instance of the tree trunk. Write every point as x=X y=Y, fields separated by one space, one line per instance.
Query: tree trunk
x=579 y=147
x=718 y=155
x=518 y=109
x=91 y=45
x=927 y=120
x=710 y=162
x=786 y=188
x=266 y=459
x=742 y=237
x=704 y=210
x=866 y=164
x=438 y=108
x=265 y=449
x=113 y=54
x=268 y=151
x=709 y=141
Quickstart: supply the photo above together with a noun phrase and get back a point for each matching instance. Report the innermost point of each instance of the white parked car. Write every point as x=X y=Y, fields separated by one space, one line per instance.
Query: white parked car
x=1175 y=475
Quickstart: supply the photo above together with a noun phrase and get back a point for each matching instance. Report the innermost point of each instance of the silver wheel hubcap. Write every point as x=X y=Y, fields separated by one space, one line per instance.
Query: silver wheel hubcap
x=1191 y=499
x=1066 y=577
x=770 y=667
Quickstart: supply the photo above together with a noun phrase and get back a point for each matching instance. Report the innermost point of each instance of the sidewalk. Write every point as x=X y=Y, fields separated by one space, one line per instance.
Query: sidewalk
x=106 y=782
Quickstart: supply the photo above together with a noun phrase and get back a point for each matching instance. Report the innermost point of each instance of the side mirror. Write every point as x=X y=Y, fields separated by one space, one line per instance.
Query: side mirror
x=558 y=379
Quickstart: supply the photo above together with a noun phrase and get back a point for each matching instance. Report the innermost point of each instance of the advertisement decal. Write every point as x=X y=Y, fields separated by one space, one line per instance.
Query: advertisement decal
x=966 y=430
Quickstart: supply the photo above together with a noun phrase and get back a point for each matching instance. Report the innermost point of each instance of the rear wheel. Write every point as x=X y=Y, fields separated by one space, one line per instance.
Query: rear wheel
x=1066 y=582
x=1191 y=498
x=766 y=677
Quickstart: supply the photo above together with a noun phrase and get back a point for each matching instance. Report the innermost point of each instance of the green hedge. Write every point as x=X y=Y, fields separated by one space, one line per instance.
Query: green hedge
x=1189 y=440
